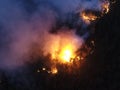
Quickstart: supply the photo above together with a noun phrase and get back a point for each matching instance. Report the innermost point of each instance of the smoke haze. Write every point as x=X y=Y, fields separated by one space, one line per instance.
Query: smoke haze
x=23 y=23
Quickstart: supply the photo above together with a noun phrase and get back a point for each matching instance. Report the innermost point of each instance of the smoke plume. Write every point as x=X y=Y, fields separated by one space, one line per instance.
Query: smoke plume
x=40 y=22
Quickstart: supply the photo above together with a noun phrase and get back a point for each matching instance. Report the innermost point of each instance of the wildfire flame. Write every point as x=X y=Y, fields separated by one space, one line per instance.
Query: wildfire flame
x=87 y=18
x=105 y=7
x=65 y=54
x=64 y=44
x=65 y=50
x=54 y=70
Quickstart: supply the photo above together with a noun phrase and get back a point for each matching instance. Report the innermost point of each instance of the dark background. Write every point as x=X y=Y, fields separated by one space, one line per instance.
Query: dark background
x=101 y=71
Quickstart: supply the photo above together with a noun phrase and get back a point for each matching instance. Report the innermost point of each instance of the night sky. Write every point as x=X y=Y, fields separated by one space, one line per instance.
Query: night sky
x=19 y=23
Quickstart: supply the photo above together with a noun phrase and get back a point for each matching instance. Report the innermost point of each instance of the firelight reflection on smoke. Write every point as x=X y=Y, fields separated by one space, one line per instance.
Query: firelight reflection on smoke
x=64 y=50
x=65 y=44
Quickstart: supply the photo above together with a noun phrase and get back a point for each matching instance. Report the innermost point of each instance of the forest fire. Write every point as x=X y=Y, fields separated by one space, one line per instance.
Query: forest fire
x=68 y=49
x=88 y=17
x=54 y=70
x=65 y=55
x=64 y=51
x=58 y=44
x=105 y=7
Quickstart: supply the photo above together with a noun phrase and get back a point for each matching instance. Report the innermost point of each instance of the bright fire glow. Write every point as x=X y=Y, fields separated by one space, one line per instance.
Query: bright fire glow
x=88 y=17
x=54 y=71
x=63 y=49
x=66 y=54
x=105 y=7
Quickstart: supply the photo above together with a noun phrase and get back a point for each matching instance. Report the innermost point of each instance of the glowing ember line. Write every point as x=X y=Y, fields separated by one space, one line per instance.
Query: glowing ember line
x=65 y=46
x=87 y=18
x=105 y=7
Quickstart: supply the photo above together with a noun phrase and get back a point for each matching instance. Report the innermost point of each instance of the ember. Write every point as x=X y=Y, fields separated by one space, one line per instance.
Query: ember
x=105 y=7
x=88 y=17
x=54 y=70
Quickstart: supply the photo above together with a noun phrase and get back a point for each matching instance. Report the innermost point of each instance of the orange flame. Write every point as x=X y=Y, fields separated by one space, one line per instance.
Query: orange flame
x=54 y=70
x=105 y=7
x=65 y=50
x=87 y=18
x=65 y=54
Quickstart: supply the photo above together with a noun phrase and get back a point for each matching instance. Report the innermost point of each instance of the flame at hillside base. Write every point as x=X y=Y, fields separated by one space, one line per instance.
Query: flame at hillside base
x=65 y=55
x=64 y=48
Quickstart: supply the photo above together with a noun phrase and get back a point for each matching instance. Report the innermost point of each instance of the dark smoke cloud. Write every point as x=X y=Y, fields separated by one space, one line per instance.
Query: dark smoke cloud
x=23 y=23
